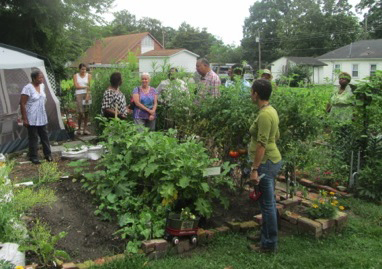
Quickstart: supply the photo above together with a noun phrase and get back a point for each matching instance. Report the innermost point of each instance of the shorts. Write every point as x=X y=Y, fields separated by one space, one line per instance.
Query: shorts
x=81 y=106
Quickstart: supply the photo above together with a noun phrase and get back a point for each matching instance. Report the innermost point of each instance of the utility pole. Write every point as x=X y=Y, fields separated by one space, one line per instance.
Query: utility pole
x=258 y=41
x=163 y=38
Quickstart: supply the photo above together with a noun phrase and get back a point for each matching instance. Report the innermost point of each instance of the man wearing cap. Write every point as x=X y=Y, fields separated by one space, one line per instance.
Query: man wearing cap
x=209 y=81
x=341 y=103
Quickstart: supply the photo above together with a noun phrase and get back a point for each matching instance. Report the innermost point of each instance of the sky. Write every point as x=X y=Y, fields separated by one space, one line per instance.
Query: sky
x=223 y=19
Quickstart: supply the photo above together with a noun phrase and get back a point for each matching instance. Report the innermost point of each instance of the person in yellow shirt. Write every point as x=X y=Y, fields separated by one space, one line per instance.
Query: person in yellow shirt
x=267 y=161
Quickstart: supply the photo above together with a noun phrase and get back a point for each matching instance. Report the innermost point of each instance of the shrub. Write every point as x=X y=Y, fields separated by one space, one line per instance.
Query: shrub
x=145 y=173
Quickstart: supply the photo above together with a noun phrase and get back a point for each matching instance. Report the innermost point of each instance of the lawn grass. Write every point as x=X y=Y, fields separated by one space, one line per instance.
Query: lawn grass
x=358 y=246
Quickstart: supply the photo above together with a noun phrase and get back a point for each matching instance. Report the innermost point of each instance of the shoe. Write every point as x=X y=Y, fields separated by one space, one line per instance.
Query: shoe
x=260 y=249
x=35 y=161
x=49 y=158
x=86 y=132
x=254 y=237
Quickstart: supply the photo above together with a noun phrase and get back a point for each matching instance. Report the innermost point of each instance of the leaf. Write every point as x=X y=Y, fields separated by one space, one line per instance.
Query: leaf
x=205 y=186
x=111 y=197
x=184 y=182
x=167 y=190
x=125 y=219
x=150 y=169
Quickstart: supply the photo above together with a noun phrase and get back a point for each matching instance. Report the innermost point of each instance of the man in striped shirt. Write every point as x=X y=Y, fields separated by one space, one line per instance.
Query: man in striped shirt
x=210 y=81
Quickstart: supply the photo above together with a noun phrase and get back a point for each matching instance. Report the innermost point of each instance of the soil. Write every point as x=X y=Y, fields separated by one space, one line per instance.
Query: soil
x=88 y=236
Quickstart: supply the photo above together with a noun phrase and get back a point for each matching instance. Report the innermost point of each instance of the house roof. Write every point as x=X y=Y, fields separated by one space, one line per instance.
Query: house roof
x=361 y=49
x=165 y=53
x=306 y=61
x=112 y=49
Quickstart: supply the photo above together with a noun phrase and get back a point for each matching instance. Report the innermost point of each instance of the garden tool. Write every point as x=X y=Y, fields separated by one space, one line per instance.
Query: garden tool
x=256 y=193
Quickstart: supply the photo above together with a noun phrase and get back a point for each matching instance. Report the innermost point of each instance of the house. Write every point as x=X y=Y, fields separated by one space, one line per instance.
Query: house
x=153 y=60
x=360 y=59
x=281 y=66
x=115 y=49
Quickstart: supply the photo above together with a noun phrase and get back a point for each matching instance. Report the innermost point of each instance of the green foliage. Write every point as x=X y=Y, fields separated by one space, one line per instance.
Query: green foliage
x=48 y=172
x=296 y=76
x=6 y=264
x=325 y=207
x=43 y=244
x=144 y=173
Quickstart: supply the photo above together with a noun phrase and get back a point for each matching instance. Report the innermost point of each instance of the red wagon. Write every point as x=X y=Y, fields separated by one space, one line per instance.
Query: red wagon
x=176 y=227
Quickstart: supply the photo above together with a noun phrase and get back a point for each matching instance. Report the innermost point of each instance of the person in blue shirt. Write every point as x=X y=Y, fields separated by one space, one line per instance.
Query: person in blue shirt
x=236 y=74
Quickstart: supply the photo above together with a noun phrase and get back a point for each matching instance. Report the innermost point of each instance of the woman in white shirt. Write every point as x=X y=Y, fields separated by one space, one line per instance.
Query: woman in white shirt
x=32 y=106
x=82 y=83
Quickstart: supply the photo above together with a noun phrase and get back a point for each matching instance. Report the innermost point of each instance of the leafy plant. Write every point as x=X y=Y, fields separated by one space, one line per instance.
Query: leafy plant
x=143 y=173
x=6 y=264
x=324 y=207
x=48 y=172
x=43 y=244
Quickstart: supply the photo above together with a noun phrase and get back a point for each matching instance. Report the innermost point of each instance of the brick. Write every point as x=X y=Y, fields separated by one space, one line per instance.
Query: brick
x=341 y=219
x=306 y=203
x=291 y=202
x=286 y=226
x=328 y=225
x=100 y=261
x=202 y=236
x=312 y=196
x=291 y=217
x=69 y=265
x=308 y=226
x=280 y=208
x=307 y=182
x=299 y=194
x=154 y=245
x=327 y=188
x=280 y=186
x=222 y=229
x=183 y=246
x=210 y=234
x=248 y=225
x=155 y=255
x=82 y=266
x=259 y=219
x=234 y=226
x=281 y=178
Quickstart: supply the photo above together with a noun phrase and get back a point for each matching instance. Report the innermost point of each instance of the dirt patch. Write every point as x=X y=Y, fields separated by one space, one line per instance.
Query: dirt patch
x=88 y=236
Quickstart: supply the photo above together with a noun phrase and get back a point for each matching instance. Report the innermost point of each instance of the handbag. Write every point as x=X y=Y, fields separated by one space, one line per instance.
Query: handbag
x=132 y=105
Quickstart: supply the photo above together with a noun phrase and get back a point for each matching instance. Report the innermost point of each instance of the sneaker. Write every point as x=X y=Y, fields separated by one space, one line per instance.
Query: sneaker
x=35 y=161
x=260 y=249
x=86 y=132
x=49 y=158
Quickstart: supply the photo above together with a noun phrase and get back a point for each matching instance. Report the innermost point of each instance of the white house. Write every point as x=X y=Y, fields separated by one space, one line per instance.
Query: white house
x=281 y=65
x=360 y=59
x=154 y=60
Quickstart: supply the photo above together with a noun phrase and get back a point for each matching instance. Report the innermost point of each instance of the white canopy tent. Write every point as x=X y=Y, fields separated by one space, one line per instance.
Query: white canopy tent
x=16 y=66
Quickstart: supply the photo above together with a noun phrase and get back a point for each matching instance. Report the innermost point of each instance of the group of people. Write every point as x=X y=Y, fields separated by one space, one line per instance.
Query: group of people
x=264 y=156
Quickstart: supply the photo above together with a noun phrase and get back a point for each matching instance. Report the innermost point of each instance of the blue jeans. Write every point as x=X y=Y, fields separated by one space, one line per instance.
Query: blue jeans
x=268 y=203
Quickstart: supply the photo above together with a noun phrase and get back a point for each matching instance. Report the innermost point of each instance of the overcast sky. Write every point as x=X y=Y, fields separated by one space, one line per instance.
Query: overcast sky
x=224 y=19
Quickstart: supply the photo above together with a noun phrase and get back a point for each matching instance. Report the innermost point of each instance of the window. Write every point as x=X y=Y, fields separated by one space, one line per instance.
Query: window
x=355 y=71
x=373 y=68
x=337 y=68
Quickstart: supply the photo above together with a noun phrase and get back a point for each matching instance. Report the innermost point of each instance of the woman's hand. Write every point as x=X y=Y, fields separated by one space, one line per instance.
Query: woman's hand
x=87 y=97
x=152 y=112
x=25 y=123
x=151 y=117
x=255 y=177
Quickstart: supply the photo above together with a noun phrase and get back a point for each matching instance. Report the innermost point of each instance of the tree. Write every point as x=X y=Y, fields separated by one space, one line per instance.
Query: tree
x=373 y=17
x=124 y=23
x=221 y=53
x=193 y=39
x=298 y=28
x=56 y=29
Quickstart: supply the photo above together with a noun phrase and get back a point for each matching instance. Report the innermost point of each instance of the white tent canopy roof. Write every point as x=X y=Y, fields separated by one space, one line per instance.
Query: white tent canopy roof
x=11 y=59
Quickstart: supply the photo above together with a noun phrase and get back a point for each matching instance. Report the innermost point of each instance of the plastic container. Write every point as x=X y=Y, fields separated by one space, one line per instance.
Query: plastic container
x=9 y=252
